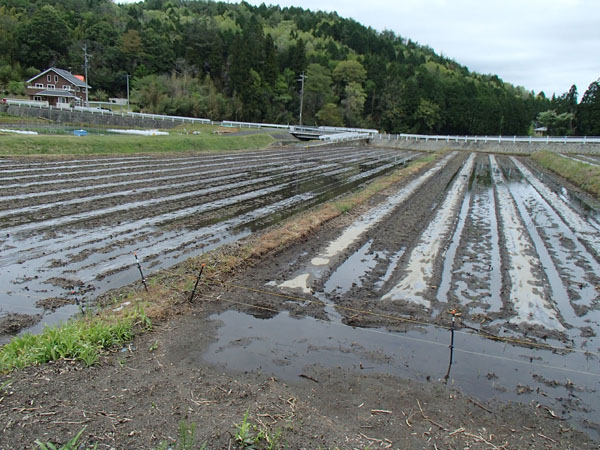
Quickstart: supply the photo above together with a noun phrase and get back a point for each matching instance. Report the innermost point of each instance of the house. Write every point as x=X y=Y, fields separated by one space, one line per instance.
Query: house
x=58 y=87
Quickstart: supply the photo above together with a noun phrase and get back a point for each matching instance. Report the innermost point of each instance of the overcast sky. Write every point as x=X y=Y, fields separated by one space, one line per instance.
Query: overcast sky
x=542 y=45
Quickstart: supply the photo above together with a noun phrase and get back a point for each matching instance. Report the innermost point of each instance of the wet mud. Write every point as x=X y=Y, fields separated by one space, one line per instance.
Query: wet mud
x=469 y=290
x=69 y=228
x=487 y=238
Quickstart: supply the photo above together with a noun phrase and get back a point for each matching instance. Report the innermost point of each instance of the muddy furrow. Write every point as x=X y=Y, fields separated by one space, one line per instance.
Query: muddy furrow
x=84 y=237
x=572 y=271
x=126 y=175
x=417 y=280
x=330 y=257
x=140 y=198
x=531 y=302
x=472 y=276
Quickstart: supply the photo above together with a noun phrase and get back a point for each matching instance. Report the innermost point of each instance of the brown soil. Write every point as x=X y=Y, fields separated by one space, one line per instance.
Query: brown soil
x=12 y=323
x=137 y=396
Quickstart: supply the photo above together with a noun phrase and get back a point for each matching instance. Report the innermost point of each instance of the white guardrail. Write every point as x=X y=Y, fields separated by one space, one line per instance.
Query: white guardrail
x=494 y=139
x=106 y=112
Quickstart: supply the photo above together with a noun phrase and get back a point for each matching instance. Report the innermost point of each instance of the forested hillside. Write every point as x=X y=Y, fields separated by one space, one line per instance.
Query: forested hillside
x=240 y=62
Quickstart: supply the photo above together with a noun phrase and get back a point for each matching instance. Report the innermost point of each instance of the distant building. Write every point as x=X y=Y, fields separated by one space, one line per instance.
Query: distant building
x=58 y=87
x=541 y=131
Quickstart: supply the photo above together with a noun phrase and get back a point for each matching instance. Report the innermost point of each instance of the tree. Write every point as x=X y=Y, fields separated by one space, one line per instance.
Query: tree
x=317 y=89
x=427 y=116
x=330 y=115
x=44 y=39
x=349 y=72
x=588 y=111
x=353 y=103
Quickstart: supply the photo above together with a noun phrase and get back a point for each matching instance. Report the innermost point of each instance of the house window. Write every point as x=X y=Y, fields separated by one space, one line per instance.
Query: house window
x=66 y=87
x=78 y=89
x=37 y=98
x=55 y=79
x=51 y=86
x=49 y=77
x=39 y=85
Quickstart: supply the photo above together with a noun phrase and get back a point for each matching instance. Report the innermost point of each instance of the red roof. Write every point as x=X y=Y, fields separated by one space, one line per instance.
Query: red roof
x=80 y=77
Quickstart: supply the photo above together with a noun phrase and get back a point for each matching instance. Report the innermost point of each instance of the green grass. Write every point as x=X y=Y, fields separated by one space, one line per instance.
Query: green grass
x=80 y=339
x=10 y=119
x=71 y=445
x=119 y=144
x=250 y=436
x=583 y=175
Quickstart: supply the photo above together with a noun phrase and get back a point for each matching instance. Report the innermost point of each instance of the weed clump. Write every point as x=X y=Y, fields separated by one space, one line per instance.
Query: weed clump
x=80 y=340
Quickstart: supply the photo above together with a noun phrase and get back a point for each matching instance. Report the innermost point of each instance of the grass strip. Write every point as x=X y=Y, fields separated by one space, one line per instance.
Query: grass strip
x=168 y=290
x=80 y=339
x=123 y=144
x=583 y=175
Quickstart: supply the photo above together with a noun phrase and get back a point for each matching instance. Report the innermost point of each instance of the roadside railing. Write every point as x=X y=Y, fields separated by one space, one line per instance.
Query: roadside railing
x=493 y=139
x=233 y=124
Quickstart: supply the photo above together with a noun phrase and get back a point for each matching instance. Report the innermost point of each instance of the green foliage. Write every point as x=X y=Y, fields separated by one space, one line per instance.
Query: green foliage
x=588 y=111
x=237 y=61
x=80 y=339
x=71 y=445
x=251 y=436
x=557 y=124
x=186 y=439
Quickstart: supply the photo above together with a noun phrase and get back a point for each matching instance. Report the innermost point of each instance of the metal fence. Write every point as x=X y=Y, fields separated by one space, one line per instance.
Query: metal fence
x=494 y=139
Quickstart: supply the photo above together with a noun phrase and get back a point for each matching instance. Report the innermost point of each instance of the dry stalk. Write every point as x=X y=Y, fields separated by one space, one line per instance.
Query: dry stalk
x=380 y=411
x=441 y=427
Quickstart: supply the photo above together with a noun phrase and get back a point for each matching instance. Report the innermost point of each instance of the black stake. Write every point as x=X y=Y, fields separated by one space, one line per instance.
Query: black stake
x=197 y=281
x=78 y=303
x=140 y=269
x=454 y=313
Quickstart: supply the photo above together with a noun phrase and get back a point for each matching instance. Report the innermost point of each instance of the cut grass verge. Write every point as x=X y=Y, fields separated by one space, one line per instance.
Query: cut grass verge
x=119 y=144
x=169 y=290
x=585 y=176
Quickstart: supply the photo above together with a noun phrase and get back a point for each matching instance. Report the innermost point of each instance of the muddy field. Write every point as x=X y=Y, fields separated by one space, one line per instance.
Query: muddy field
x=360 y=307
x=69 y=229
x=514 y=251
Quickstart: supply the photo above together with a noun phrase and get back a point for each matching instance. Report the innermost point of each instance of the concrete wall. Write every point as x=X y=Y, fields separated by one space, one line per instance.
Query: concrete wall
x=487 y=147
x=82 y=117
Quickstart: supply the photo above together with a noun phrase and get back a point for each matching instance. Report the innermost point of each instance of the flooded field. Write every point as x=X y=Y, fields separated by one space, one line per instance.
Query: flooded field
x=514 y=252
x=69 y=228
x=506 y=252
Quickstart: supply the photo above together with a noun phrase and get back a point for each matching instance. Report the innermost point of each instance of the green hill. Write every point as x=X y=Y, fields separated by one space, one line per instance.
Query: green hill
x=240 y=62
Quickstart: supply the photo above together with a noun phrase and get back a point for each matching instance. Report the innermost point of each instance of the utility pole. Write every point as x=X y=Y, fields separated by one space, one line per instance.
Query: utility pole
x=85 y=66
x=302 y=78
x=127 y=90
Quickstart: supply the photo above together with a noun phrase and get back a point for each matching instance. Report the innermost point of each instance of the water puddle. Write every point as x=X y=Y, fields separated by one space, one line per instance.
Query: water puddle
x=286 y=347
